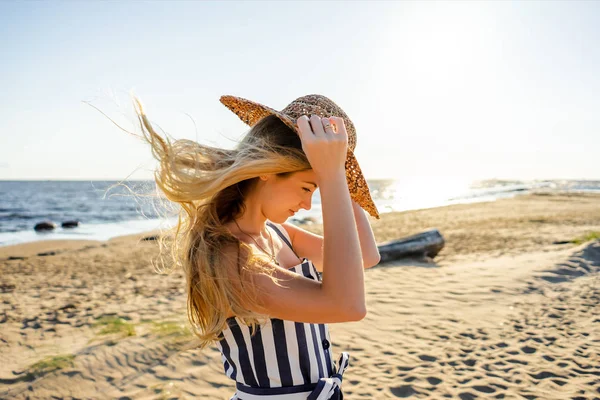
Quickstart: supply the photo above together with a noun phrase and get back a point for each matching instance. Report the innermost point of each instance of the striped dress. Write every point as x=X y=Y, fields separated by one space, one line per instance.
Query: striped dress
x=284 y=360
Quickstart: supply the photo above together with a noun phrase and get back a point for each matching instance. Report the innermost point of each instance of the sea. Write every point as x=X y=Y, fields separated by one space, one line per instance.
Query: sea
x=106 y=209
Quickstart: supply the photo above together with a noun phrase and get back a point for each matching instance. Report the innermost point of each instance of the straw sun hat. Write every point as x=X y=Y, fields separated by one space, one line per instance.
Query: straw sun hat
x=251 y=112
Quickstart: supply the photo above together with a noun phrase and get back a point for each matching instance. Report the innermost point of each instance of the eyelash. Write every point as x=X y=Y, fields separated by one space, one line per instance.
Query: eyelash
x=308 y=190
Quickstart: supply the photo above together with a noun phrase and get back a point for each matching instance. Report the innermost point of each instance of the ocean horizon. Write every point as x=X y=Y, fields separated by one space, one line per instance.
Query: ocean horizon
x=106 y=209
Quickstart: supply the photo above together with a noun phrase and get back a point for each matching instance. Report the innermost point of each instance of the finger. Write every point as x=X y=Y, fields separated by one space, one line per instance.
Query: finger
x=340 y=127
x=317 y=126
x=327 y=126
x=304 y=128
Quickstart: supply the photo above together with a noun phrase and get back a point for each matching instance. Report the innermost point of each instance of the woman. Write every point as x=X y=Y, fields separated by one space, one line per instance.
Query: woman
x=253 y=281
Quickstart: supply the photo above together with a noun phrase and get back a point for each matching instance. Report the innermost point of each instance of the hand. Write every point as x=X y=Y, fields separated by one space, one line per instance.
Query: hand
x=325 y=148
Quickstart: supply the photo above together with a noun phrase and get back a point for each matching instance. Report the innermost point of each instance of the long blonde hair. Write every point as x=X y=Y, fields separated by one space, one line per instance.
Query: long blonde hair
x=210 y=185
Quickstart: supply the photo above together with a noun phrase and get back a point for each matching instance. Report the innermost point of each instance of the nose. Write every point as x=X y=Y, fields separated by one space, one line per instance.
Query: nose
x=306 y=204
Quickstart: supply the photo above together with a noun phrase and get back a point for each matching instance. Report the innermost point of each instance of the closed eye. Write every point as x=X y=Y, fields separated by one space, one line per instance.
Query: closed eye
x=308 y=190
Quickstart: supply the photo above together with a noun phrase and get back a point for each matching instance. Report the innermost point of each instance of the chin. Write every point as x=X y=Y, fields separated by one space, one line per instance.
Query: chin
x=279 y=219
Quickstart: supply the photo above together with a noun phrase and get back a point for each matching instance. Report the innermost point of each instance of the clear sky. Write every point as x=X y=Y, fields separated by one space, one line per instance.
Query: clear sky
x=507 y=90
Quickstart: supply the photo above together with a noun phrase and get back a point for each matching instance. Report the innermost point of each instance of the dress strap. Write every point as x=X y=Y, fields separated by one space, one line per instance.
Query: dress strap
x=282 y=236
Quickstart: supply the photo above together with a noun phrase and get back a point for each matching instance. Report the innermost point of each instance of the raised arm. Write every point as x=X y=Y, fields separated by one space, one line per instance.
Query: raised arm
x=341 y=294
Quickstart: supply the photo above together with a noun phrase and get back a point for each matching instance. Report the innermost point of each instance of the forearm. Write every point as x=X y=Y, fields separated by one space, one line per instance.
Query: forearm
x=342 y=262
x=368 y=246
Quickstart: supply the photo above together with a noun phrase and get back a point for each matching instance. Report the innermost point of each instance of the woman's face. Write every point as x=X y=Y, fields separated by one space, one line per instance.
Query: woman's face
x=282 y=196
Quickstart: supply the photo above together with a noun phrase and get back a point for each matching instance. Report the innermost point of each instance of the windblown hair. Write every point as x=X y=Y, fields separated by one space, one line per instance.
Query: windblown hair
x=210 y=185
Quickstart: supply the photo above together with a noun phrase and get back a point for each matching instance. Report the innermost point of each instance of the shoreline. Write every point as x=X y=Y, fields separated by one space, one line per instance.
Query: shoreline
x=48 y=244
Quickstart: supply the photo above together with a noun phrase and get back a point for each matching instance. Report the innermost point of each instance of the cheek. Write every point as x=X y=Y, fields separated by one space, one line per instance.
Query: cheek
x=281 y=200
x=290 y=200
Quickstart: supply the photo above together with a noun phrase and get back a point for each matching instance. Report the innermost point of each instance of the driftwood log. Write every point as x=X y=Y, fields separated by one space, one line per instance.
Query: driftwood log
x=421 y=245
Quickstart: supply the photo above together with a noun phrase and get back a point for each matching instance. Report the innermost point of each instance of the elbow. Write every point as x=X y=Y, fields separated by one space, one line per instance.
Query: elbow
x=358 y=313
x=377 y=259
x=372 y=261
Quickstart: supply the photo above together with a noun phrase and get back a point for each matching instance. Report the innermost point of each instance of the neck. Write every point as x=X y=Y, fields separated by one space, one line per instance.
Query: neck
x=253 y=220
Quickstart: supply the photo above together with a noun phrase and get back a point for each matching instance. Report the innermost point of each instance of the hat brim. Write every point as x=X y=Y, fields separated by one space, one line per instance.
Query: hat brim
x=251 y=113
x=357 y=184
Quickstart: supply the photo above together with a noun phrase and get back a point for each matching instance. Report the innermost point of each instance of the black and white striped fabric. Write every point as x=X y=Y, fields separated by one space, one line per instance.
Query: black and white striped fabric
x=284 y=360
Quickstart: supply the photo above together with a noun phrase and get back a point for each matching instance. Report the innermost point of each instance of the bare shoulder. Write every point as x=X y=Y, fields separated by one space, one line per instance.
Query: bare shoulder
x=232 y=259
x=306 y=244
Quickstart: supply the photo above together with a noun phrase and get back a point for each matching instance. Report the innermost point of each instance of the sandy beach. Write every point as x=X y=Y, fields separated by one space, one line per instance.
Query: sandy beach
x=509 y=309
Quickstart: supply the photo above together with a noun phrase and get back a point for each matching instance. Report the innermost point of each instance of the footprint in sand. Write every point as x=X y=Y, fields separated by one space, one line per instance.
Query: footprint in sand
x=528 y=350
x=545 y=374
x=403 y=391
x=517 y=361
x=484 y=389
x=434 y=381
x=49 y=253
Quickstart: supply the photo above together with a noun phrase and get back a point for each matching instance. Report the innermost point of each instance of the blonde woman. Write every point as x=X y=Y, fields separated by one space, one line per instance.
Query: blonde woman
x=261 y=289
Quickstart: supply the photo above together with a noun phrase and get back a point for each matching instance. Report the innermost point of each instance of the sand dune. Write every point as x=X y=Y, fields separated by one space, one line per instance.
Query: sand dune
x=502 y=312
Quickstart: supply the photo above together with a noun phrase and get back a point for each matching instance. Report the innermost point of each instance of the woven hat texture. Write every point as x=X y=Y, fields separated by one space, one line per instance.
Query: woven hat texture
x=251 y=112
